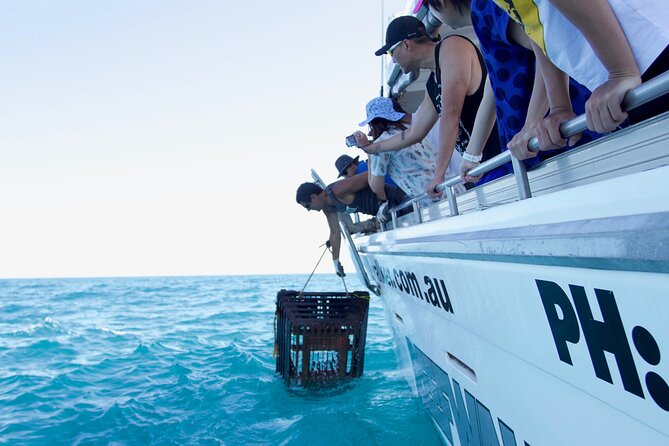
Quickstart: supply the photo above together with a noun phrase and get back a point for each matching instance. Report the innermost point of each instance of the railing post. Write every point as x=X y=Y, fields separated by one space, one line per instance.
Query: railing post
x=480 y=198
x=522 y=182
x=452 y=202
x=416 y=211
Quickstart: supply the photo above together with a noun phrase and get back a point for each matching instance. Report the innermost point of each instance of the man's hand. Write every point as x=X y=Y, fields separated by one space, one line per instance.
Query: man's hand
x=339 y=269
x=430 y=188
x=466 y=167
x=603 y=110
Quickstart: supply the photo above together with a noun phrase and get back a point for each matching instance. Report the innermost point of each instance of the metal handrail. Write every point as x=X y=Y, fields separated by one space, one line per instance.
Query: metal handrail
x=642 y=94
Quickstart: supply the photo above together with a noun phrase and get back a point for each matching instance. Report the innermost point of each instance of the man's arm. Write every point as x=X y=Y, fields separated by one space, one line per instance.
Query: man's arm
x=456 y=77
x=608 y=41
x=350 y=186
x=423 y=120
x=483 y=124
x=335 y=234
x=335 y=242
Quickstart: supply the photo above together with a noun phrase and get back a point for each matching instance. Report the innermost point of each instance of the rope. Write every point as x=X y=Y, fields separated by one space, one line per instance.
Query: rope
x=312 y=273
x=344 y=282
x=327 y=248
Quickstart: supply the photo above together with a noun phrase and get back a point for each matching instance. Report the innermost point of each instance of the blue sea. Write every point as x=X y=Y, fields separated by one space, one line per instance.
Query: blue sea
x=183 y=361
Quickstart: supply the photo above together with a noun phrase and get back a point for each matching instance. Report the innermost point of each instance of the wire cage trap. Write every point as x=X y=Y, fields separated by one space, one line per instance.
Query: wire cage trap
x=320 y=337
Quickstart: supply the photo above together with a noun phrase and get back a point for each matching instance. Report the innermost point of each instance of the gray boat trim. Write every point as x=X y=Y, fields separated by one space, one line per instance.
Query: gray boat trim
x=568 y=262
x=629 y=243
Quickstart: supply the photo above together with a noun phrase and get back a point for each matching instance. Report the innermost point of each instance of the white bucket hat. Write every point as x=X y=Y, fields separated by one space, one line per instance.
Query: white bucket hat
x=381 y=108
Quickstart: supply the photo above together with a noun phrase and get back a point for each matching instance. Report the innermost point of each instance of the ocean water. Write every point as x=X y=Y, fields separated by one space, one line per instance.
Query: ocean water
x=181 y=361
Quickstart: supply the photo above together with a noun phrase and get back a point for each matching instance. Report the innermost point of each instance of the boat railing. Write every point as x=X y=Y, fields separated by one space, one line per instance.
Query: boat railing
x=644 y=93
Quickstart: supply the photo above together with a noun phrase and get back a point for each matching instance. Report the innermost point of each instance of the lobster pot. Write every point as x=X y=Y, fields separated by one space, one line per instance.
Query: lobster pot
x=320 y=337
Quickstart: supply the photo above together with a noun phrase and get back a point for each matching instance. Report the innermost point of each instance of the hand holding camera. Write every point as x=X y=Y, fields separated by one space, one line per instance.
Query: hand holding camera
x=357 y=139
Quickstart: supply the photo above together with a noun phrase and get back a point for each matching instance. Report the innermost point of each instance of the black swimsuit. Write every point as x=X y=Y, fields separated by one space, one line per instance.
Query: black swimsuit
x=365 y=200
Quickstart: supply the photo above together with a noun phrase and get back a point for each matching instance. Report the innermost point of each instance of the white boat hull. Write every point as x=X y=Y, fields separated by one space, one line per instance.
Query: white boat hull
x=542 y=321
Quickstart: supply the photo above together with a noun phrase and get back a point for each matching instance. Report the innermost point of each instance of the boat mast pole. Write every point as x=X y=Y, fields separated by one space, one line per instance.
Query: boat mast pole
x=382 y=43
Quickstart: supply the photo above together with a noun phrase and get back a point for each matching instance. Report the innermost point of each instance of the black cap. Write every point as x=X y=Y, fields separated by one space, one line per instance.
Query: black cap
x=404 y=27
x=343 y=162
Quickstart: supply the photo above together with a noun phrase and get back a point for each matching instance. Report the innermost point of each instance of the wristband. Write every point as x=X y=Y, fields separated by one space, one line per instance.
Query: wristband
x=471 y=158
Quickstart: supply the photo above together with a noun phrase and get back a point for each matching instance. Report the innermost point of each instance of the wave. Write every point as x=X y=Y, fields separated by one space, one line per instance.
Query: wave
x=181 y=361
x=47 y=327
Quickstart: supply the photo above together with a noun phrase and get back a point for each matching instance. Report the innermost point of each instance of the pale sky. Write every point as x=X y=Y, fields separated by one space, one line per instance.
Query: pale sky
x=165 y=137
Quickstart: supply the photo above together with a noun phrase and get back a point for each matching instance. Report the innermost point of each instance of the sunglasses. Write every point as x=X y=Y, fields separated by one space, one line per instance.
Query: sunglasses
x=393 y=48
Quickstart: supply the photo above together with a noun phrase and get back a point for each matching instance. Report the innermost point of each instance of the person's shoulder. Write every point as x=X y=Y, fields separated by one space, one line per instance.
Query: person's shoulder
x=456 y=44
x=336 y=187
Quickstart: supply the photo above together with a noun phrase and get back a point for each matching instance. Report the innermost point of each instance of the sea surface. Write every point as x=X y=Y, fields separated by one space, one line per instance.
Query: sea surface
x=183 y=361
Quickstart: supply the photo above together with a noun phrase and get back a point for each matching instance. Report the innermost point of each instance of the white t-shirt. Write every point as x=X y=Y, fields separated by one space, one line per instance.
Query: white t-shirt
x=644 y=22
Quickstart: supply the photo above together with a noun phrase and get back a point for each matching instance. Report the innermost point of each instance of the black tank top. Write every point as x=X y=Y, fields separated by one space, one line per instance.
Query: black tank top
x=365 y=200
x=470 y=105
